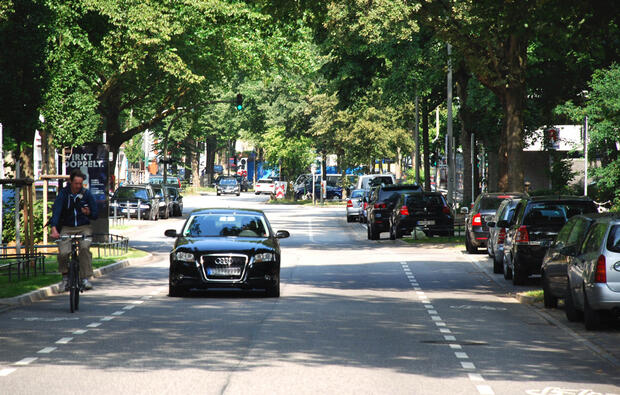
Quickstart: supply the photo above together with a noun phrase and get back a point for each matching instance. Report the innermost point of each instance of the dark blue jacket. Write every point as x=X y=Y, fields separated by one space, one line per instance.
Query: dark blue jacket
x=67 y=208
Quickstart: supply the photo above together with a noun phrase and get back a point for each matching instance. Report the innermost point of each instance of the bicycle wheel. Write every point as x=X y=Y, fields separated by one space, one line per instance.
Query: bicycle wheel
x=74 y=284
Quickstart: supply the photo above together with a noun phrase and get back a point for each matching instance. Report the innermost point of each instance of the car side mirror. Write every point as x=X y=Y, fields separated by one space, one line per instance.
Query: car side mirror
x=170 y=233
x=464 y=210
x=502 y=224
x=491 y=224
x=568 y=251
x=282 y=234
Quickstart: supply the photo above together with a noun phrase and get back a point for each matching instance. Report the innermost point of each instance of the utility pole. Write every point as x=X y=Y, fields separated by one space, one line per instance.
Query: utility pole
x=450 y=145
x=417 y=140
x=585 y=156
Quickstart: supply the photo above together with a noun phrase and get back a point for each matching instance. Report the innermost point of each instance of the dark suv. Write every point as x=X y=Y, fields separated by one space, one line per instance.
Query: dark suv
x=380 y=204
x=533 y=228
x=483 y=211
x=427 y=211
x=139 y=200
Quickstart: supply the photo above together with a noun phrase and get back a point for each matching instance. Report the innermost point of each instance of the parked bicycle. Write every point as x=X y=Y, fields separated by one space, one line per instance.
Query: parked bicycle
x=74 y=283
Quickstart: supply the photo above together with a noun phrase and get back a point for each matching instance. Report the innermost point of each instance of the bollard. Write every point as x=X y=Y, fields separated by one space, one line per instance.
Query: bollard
x=114 y=219
x=138 y=216
x=128 y=213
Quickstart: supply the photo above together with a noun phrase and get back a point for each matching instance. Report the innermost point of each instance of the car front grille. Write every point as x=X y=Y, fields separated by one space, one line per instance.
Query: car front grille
x=224 y=267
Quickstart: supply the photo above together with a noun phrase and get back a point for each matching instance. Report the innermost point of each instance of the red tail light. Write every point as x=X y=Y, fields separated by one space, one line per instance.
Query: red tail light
x=349 y=203
x=404 y=210
x=445 y=210
x=477 y=220
x=501 y=236
x=380 y=205
x=601 y=270
x=365 y=205
x=522 y=236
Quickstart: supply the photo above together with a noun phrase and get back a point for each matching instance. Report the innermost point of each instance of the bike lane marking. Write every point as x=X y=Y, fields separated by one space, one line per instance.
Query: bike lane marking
x=66 y=340
x=483 y=389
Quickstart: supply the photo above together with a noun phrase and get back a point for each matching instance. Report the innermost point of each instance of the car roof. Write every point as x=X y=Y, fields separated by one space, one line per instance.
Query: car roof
x=226 y=211
x=399 y=187
x=503 y=195
x=559 y=197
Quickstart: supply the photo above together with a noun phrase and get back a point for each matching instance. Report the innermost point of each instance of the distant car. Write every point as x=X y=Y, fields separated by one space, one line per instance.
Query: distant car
x=427 y=211
x=382 y=201
x=553 y=271
x=354 y=205
x=265 y=185
x=243 y=183
x=218 y=169
x=364 y=206
x=483 y=210
x=177 y=200
x=170 y=180
x=535 y=225
x=137 y=200
x=593 y=290
x=367 y=181
x=225 y=248
x=497 y=234
x=228 y=185
x=166 y=206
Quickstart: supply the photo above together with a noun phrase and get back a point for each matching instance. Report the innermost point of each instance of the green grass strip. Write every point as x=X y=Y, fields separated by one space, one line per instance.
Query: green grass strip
x=15 y=288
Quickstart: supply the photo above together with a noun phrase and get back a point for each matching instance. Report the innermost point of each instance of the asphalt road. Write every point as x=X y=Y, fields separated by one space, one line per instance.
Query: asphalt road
x=355 y=317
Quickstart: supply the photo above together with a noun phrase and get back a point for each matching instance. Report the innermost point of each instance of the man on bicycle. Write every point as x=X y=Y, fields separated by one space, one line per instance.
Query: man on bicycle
x=73 y=209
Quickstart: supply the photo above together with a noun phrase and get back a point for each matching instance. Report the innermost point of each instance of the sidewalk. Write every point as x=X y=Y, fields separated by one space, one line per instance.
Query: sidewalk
x=54 y=289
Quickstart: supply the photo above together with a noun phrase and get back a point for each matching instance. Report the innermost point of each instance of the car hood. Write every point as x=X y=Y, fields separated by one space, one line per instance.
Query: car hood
x=225 y=244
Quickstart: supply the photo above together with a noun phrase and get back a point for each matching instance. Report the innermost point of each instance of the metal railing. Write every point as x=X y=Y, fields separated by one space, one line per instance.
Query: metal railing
x=28 y=265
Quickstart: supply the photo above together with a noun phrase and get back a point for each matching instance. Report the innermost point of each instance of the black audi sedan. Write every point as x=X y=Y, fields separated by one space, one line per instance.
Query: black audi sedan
x=225 y=248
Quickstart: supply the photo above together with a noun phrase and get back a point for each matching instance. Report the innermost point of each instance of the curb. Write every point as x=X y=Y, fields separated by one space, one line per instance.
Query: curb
x=54 y=289
x=529 y=302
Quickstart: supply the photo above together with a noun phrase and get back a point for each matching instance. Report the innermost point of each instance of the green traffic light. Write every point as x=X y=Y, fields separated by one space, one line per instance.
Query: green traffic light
x=239 y=107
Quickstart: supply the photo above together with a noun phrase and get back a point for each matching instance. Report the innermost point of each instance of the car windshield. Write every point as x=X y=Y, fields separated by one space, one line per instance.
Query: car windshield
x=158 y=191
x=490 y=203
x=172 y=192
x=131 y=193
x=357 y=194
x=265 y=181
x=554 y=213
x=228 y=181
x=424 y=200
x=232 y=225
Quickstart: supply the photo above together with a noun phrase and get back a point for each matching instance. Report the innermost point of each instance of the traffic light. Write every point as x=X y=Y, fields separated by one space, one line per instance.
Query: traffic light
x=433 y=158
x=239 y=102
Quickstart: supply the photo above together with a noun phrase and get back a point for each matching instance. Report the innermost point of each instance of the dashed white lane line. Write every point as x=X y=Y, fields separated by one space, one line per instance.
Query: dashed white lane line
x=80 y=331
x=128 y=307
x=120 y=312
x=107 y=318
x=474 y=377
x=46 y=350
x=64 y=340
x=6 y=371
x=26 y=361
x=138 y=301
x=93 y=325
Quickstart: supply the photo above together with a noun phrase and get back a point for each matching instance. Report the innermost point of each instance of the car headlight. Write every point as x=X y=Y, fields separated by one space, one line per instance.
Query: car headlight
x=264 y=257
x=145 y=206
x=184 y=256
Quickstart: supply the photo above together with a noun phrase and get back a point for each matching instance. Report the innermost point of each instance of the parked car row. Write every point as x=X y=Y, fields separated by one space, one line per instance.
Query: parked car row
x=146 y=201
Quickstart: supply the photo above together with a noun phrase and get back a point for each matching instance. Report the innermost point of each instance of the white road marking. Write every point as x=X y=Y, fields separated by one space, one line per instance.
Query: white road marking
x=93 y=325
x=468 y=365
x=432 y=312
x=55 y=319
x=146 y=297
x=129 y=307
x=429 y=306
x=439 y=323
x=64 y=340
x=26 y=361
x=138 y=301
x=461 y=355
x=120 y=312
x=46 y=350
x=420 y=292
x=456 y=346
x=435 y=318
x=475 y=377
x=485 y=390
x=6 y=371
x=417 y=288
x=80 y=331
x=449 y=338
x=107 y=318
x=445 y=330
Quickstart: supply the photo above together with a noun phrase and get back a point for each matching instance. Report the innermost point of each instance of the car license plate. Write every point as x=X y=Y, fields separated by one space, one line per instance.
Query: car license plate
x=378 y=215
x=224 y=271
x=426 y=222
x=131 y=211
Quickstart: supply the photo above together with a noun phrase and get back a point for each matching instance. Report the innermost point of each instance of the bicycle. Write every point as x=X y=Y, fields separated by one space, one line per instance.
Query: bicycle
x=74 y=283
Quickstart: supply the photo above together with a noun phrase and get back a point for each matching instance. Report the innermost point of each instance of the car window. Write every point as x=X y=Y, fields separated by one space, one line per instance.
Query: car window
x=578 y=231
x=595 y=238
x=357 y=194
x=172 y=192
x=264 y=181
x=490 y=203
x=562 y=237
x=228 y=181
x=613 y=241
x=130 y=193
x=228 y=225
x=544 y=215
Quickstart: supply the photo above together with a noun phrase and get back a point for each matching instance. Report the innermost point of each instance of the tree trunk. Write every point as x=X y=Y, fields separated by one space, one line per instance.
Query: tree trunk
x=462 y=80
x=425 y=145
x=25 y=156
x=195 y=165
x=511 y=146
x=210 y=160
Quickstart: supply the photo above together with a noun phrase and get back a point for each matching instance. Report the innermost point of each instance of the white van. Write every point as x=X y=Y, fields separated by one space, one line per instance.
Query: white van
x=363 y=182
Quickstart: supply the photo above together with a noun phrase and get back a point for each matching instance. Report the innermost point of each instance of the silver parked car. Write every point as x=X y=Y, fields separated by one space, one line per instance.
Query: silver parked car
x=497 y=234
x=594 y=273
x=354 y=205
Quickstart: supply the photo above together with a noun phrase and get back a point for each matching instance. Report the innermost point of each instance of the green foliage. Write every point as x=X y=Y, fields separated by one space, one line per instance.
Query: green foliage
x=8 y=223
x=295 y=155
x=561 y=175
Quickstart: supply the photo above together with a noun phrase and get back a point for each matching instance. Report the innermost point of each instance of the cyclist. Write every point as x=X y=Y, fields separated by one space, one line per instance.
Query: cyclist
x=73 y=209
